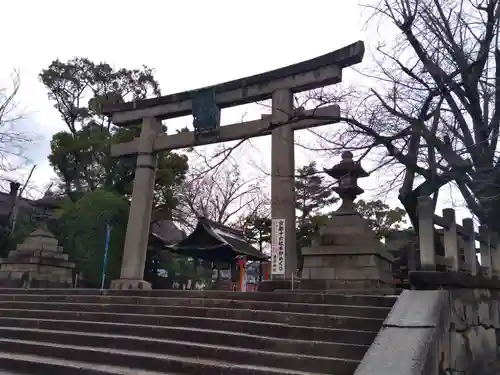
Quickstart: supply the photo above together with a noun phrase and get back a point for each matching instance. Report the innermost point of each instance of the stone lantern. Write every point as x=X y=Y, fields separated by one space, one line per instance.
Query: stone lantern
x=346 y=253
x=347 y=173
x=44 y=209
x=38 y=262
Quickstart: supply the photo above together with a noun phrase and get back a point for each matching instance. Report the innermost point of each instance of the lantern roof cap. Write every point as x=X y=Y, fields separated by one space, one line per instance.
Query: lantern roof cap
x=347 y=166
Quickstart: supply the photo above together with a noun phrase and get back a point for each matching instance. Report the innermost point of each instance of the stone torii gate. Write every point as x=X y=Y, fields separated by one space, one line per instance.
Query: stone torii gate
x=205 y=105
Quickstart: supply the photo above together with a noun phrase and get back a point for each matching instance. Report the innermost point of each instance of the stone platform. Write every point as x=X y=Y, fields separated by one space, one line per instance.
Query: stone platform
x=346 y=254
x=39 y=262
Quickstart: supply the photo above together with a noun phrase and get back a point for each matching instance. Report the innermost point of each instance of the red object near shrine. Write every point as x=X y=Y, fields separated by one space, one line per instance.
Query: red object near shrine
x=242 y=260
x=266 y=268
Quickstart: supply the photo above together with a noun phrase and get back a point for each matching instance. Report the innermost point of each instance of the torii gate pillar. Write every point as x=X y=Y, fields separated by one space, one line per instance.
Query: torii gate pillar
x=282 y=180
x=138 y=227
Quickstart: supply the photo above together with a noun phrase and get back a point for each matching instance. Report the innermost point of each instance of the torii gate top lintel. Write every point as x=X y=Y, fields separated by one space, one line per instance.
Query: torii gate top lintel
x=310 y=74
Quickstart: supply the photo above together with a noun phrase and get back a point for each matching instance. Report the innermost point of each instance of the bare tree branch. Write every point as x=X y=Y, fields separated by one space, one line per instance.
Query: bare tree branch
x=221 y=195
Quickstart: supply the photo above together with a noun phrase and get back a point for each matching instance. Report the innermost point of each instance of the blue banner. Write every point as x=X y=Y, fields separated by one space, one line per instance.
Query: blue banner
x=105 y=260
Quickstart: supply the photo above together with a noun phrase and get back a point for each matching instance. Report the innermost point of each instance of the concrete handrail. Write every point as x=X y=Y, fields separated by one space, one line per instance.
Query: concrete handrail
x=408 y=342
x=434 y=332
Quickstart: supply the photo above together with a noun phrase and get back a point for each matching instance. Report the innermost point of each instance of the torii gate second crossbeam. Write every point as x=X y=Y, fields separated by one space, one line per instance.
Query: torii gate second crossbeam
x=279 y=85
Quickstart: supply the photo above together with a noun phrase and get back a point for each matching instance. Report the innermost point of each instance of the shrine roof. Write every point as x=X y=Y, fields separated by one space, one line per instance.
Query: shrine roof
x=6 y=204
x=167 y=231
x=214 y=241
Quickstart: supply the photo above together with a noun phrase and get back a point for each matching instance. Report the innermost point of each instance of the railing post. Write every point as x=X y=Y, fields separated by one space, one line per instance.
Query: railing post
x=451 y=240
x=470 y=246
x=426 y=233
x=485 y=249
x=495 y=255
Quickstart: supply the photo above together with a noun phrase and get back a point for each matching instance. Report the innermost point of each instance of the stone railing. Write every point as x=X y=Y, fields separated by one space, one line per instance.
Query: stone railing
x=450 y=321
x=459 y=242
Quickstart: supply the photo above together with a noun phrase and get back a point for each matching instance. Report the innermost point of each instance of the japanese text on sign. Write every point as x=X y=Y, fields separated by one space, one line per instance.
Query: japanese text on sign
x=278 y=247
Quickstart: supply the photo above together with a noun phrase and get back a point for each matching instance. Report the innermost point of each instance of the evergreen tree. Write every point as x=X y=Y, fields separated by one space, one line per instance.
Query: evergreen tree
x=381 y=218
x=257 y=230
x=313 y=194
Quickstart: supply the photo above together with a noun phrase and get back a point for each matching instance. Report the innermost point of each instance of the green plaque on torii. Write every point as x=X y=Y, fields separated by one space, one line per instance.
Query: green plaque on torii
x=206 y=113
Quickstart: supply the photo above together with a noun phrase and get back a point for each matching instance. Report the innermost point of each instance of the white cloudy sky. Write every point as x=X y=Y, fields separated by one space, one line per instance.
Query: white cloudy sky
x=190 y=43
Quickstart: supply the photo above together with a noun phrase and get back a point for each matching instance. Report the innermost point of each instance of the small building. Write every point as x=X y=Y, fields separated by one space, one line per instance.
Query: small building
x=216 y=242
x=163 y=233
x=219 y=245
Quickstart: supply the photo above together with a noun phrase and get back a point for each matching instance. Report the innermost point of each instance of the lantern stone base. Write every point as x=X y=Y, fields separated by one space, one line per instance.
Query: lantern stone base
x=39 y=262
x=129 y=284
x=346 y=255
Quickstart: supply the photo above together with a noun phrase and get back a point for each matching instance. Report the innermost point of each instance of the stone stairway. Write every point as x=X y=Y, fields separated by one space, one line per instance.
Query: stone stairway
x=64 y=331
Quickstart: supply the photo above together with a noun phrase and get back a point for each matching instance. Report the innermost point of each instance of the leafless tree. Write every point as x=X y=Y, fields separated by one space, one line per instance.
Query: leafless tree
x=434 y=116
x=13 y=141
x=220 y=194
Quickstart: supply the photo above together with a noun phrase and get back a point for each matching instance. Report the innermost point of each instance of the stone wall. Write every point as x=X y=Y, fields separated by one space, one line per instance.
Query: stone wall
x=473 y=327
x=436 y=332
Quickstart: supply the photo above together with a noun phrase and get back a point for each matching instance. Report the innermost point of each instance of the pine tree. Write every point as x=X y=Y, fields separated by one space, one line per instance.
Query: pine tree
x=257 y=230
x=313 y=194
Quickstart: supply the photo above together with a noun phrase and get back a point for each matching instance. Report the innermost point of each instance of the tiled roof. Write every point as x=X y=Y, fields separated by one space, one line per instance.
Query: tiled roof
x=24 y=205
x=167 y=232
x=214 y=241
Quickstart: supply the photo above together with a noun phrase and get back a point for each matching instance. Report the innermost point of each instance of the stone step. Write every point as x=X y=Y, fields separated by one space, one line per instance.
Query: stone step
x=304 y=298
x=243 y=356
x=148 y=312
x=188 y=332
x=261 y=328
x=291 y=307
x=148 y=361
x=36 y=253
x=372 y=292
x=20 y=364
x=351 y=345
x=34 y=263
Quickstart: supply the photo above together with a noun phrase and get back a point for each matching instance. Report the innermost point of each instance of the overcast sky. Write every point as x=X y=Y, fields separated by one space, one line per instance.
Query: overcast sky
x=190 y=44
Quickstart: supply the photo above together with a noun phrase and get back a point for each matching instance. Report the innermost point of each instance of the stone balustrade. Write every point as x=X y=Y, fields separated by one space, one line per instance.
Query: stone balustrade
x=450 y=322
x=458 y=241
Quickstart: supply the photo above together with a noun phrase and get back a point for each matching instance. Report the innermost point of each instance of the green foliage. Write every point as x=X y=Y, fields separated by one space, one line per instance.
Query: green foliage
x=81 y=156
x=24 y=226
x=9 y=240
x=381 y=218
x=312 y=192
x=82 y=227
x=257 y=230
x=71 y=83
x=310 y=227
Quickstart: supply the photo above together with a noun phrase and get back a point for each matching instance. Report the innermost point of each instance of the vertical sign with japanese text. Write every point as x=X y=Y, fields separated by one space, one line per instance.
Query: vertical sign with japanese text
x=278 y=247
